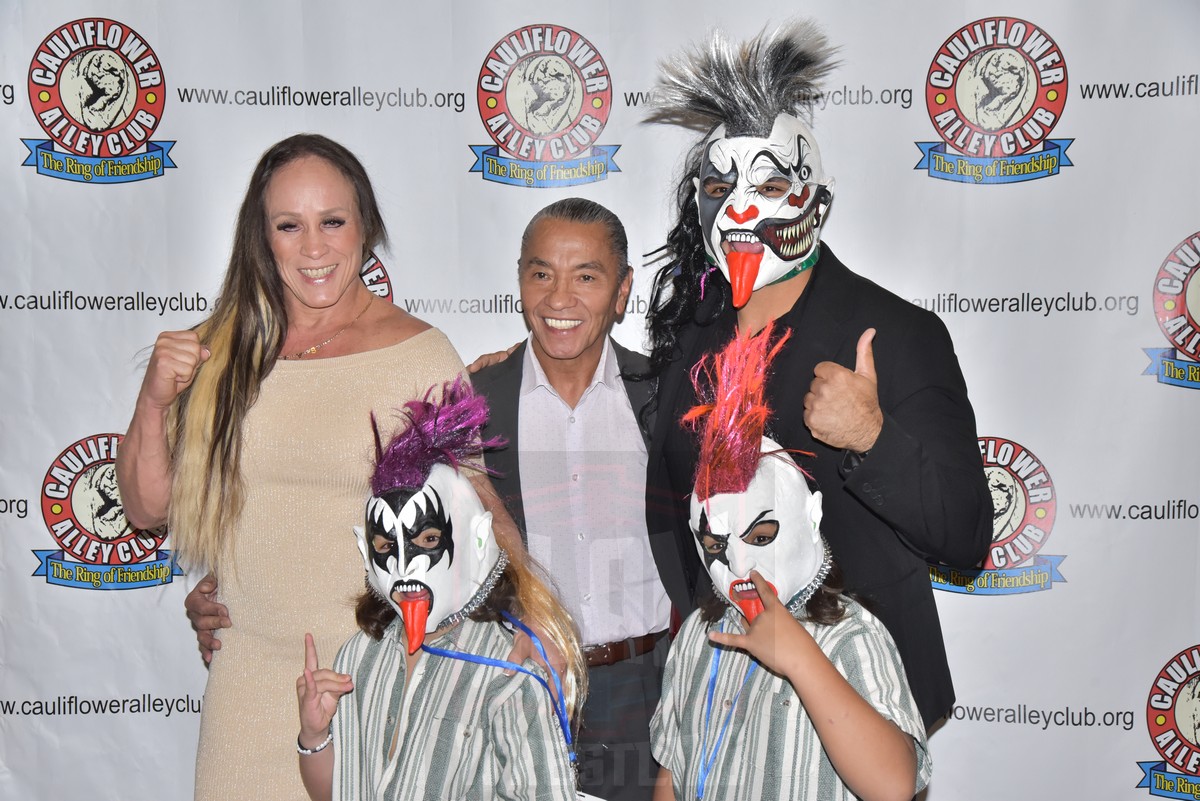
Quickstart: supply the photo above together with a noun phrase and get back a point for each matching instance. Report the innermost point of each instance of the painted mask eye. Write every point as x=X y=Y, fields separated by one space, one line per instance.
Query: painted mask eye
x=775 y=188
x=805 y=173
x=712 y=545
x=763 y=533
x=431 y=533
x=428 y=539
x=716 y=189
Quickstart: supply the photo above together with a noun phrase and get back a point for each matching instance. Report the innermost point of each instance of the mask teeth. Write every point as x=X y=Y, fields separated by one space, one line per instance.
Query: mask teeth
x=796 y=239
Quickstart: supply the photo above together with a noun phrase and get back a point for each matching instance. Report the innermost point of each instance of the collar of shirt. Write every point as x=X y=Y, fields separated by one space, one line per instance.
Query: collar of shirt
x=608 y=372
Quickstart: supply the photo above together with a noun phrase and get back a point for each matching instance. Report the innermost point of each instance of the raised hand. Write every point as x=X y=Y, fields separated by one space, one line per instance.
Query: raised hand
x=841 y=408
x=317 y=691
x=775 y=638
x=173 y=364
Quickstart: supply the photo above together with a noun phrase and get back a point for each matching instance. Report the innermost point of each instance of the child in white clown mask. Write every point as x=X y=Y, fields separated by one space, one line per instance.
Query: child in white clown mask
x=779 y=687
x=420 y=704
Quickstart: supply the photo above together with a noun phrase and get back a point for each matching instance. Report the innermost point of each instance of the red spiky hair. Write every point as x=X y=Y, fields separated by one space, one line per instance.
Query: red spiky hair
x=731 y=424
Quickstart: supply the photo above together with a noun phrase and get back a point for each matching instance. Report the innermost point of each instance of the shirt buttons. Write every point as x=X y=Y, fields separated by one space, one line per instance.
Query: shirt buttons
x=727 y=703
x=571 y=419
x=579 y=536
x=574 y=476
x=587 y=597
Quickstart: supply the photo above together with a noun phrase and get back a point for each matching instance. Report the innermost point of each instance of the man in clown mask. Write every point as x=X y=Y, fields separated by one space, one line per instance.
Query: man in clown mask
x=832 y=716
x=869 y=385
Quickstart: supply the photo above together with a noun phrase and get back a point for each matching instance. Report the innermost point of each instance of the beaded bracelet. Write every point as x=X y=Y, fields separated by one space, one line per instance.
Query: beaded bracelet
x=310 y=751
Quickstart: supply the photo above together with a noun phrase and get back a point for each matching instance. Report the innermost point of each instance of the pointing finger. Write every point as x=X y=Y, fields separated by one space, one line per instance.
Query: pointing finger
x=765 y=592
x=310 y=653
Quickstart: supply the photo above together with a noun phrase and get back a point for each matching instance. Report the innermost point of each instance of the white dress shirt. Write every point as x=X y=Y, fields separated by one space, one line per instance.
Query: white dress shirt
x=583 y=486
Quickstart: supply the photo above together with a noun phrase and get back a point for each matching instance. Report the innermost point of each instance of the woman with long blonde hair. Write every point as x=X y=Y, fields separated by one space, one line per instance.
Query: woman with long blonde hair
x=249 y=439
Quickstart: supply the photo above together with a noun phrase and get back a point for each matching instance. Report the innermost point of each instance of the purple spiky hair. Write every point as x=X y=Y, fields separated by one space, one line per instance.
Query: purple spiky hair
x=446 y=432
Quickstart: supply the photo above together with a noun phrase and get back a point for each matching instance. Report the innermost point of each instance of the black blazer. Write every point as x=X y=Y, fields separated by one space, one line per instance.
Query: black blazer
x=501 y=385
x=920 y=493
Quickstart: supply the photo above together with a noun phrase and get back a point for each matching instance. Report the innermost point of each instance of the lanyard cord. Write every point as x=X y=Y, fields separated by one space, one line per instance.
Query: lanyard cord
x=560 y=705
x=707 y=758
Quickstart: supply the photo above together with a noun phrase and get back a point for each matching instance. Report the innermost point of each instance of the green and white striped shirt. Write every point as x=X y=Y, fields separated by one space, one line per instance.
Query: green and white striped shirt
x=466 y=730
x=771 y=750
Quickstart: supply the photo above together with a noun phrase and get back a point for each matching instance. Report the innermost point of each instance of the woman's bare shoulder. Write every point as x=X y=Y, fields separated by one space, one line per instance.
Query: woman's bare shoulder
x=391 y=325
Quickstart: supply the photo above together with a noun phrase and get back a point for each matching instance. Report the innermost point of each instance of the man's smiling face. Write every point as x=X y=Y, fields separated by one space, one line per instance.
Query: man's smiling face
x=572 y=289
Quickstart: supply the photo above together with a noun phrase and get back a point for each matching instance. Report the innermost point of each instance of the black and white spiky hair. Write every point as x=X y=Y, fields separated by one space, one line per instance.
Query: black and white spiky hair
x=745 y=86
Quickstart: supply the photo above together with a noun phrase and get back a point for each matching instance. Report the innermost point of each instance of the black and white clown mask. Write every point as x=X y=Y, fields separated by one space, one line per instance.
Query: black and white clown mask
x=430 y=552
x=772 y=527
x=762 y=203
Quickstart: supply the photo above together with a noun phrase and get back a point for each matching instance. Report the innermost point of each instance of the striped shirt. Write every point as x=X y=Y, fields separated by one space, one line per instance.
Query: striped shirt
x=466 y=730
x=770 y=749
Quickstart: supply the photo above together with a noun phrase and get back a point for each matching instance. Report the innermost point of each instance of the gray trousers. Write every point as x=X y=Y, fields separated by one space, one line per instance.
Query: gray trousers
x=613 y=745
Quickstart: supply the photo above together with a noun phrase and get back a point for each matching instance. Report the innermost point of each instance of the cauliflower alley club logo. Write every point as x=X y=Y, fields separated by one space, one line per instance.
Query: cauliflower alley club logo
x=1177 y=308
x=1023 y=507
x=98 y=549
x=1173 y=721
x=995 y=90
x=97 y=90
x=544 y=96
x=376 y=277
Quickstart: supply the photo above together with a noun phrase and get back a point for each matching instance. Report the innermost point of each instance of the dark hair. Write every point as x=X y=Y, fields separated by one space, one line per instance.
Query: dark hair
x=675 y=297
x=582 y=210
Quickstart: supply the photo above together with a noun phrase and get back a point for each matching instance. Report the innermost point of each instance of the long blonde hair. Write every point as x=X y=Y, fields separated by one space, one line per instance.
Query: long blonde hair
x=244 y=336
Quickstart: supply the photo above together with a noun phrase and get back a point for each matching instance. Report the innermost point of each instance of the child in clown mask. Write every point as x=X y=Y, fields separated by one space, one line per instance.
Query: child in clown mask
x=780 y=687
x=419 y=704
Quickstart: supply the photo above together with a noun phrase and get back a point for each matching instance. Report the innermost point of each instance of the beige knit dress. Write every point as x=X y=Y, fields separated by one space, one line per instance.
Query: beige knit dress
x=306 y=463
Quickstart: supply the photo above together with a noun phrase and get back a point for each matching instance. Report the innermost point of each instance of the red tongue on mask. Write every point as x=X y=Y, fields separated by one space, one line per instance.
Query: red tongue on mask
x=415 y=614
x=748 y=600
x=751 y=607
x=743 y=269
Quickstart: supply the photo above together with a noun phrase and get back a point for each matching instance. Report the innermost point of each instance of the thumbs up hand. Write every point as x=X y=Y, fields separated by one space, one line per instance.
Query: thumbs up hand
x=841 y=408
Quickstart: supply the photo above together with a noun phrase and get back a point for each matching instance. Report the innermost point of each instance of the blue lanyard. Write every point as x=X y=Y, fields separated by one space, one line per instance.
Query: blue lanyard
x=707 y=758
x=560 y=705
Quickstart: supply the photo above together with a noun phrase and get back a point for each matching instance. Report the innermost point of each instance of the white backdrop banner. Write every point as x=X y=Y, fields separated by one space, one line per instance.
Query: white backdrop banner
x=1054 y=226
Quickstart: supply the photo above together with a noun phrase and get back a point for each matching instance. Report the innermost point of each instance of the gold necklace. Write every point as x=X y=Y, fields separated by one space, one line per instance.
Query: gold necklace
x=340 y=331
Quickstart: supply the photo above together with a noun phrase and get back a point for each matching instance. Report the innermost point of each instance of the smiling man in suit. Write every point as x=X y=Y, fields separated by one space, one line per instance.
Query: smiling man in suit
x=573 y=476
